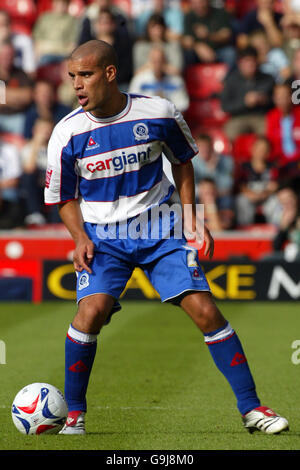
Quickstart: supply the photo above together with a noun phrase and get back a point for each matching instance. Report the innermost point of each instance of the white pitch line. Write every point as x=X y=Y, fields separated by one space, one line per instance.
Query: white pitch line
x=139 y=408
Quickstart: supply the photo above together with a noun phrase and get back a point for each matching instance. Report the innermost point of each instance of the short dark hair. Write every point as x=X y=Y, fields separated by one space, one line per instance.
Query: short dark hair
x=262 y=138
x=156 y=18
x=208 y=179
x=248 y=51
x=206 y=137
x=105 y=53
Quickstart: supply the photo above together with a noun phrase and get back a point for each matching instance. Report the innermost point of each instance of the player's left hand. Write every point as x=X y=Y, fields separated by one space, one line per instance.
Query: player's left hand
x=209 y=243
x=83 y=255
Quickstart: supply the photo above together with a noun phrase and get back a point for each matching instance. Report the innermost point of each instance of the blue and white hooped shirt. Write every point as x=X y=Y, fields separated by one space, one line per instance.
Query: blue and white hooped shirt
x=114 y=166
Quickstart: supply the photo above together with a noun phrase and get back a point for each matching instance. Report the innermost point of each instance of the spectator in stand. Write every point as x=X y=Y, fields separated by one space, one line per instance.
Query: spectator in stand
x=272 y=60
x=156 y=80
x=246 y=96
x=283 y=127
x=207 y=36
x=286 y=242
x=22 y=43
x=210 y=164
x=262 y=17
x=295 y=69
x=18 y=91
x=291 y=36
x=55 y=33
x=91 y=14
x=172 y=14
x=218 y=214
x=106 y=29
x=291 y=12
x=156 y=35
x=34 y=162
x=11 y=215
x=45 y=104
x=65 y=91
x=138 y=8
x=256 y=185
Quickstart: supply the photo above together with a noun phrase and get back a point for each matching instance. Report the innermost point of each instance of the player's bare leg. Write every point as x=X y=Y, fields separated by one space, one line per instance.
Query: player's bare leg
x=92 y=313
x=81 y=345
x=229 y=357
x=203 y=311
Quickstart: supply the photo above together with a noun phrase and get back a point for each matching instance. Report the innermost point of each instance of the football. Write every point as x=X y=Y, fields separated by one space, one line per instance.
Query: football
x=39 y=408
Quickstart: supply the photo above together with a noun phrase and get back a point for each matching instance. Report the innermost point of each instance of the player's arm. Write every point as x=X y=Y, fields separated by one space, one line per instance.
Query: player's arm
x=184 y=180
x=61 y=189
x=70 y=214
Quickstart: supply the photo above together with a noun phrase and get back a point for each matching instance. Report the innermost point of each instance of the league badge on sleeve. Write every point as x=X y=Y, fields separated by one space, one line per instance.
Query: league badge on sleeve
x=49 y=172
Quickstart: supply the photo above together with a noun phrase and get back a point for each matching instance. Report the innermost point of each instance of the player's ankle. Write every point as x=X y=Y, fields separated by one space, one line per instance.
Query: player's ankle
x=73 y=417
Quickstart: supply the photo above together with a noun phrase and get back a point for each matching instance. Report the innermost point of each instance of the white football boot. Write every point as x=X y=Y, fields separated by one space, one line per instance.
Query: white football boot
x=266 y=420
x=75 y=423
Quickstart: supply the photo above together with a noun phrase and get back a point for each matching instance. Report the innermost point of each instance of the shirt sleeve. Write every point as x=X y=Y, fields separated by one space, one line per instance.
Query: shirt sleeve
x=61 y=183
x=179 y=145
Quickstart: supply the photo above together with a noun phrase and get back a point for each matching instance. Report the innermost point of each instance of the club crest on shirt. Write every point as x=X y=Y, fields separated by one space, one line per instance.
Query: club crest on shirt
x=141 y=131
x=83 y=281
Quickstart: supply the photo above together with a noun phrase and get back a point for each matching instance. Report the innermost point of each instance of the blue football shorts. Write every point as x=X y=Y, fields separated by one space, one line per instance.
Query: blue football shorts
x=171 y=265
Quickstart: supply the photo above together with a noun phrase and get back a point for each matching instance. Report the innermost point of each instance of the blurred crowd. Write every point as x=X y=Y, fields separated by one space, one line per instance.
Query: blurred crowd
x=232 y=67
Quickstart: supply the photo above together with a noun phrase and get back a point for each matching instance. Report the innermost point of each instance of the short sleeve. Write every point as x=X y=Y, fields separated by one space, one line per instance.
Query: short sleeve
x=61 y=183
x=179 y=145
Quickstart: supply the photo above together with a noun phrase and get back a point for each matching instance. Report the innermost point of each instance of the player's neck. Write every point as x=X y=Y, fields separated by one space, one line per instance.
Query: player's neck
x=112 y=107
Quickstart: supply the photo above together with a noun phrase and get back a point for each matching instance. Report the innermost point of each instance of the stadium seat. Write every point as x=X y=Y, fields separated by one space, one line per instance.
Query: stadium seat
x=220 y=140
x=205 y=81
x=76 y=7
x=239 y=8
x=206 y=113
x=43 y=6
x=23 y=14
x=241 y=147
x=51 y=72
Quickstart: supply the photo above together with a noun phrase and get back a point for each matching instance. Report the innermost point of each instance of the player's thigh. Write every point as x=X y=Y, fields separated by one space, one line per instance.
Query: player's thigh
x=177 y=272
x=98 y=292
x=179 y=279
x=109 y=276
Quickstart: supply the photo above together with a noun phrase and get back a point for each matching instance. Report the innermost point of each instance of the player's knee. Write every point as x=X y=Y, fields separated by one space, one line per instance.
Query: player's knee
x=204 y=312
x=92 y=313
x=206 y=315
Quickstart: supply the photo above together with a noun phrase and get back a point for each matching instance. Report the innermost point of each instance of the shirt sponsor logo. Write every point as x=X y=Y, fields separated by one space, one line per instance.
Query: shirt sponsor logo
x=118 y=163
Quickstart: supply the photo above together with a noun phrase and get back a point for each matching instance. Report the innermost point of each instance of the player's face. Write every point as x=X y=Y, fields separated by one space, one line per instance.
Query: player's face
x=91 y=83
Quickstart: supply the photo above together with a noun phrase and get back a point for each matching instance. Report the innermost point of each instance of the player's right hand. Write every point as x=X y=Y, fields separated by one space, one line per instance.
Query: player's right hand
x=83 y=255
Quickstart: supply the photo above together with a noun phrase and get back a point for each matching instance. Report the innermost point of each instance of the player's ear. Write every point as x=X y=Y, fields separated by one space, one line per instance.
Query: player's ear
x=111 y=73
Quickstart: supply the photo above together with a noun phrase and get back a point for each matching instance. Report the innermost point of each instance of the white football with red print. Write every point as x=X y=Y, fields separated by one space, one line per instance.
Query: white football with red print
x=39 y=408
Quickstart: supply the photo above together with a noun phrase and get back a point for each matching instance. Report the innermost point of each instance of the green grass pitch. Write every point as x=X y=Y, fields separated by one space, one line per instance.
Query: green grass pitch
x=154 y=385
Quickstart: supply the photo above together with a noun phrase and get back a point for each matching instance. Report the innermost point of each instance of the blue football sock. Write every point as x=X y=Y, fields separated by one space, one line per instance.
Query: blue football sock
x=80 y=351
x=228 y=355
